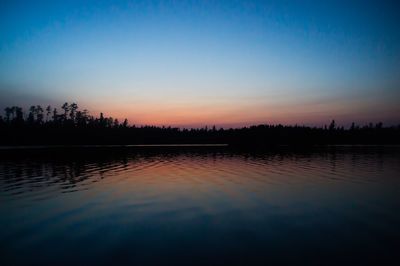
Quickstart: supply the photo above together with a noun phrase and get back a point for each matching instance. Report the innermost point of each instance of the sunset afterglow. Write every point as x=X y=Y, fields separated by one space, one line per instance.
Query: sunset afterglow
x=197 y=63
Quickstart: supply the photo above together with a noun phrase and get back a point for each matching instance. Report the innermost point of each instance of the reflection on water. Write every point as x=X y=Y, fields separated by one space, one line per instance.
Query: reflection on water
x=195 y=207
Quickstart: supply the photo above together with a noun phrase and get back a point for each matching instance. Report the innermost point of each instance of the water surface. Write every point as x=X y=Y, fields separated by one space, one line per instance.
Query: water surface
x=208 y=207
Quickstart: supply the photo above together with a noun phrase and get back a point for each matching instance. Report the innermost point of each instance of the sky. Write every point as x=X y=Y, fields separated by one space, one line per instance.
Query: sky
x=196 y=63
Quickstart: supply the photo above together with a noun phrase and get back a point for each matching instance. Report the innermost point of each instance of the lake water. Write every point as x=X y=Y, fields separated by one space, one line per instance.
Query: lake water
x=207 y=206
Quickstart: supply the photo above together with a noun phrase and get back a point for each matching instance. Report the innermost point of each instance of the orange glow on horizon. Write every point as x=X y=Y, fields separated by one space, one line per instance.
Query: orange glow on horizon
x=238 y=114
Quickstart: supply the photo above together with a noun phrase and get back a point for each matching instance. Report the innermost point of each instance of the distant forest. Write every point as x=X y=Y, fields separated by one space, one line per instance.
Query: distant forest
x=71 y=126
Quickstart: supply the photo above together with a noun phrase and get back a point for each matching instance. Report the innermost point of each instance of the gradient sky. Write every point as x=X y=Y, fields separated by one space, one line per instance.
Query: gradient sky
x=195 y=63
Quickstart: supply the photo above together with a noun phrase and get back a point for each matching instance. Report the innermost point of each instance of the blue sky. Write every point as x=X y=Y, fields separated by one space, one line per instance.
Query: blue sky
x=192 y=63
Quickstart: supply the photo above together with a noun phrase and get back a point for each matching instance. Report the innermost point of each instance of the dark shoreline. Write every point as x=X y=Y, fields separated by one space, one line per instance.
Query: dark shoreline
x=189 y=145
x=75 y=127
x=91 y=152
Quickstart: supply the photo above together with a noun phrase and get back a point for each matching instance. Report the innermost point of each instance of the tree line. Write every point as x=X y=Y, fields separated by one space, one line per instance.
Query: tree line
x=69 y=125
x=68 y=115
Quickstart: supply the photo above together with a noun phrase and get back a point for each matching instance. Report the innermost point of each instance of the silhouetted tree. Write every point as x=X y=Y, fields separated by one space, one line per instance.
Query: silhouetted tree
x=55 y=115
x=39 y=114
x=31 y=115
x=125 y=123
x=65 y=107
x=72 y=108
x=8 y=112
x=48 y=112
x=332 y=126
x=19 y=115
x=116 y=123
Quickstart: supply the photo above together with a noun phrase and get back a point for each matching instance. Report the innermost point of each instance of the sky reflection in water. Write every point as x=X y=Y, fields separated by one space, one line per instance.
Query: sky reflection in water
x=200 y=207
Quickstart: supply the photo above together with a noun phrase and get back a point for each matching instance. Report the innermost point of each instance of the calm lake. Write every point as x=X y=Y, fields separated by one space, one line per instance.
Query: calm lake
x=206 y=206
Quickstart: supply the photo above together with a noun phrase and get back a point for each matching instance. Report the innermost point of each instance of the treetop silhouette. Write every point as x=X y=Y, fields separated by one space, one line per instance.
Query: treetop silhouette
x=72 y=126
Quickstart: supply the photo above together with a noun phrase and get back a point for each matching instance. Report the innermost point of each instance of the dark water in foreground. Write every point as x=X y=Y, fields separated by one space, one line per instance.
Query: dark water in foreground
x=208 y=207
